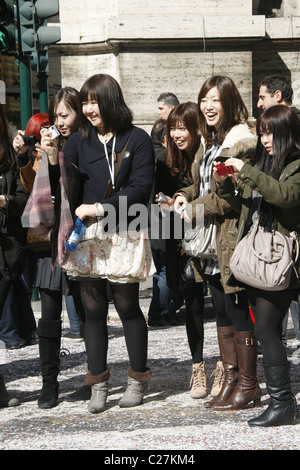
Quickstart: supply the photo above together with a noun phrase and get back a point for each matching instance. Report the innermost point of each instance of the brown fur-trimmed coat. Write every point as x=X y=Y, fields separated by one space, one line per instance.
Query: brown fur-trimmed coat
x=239 y=143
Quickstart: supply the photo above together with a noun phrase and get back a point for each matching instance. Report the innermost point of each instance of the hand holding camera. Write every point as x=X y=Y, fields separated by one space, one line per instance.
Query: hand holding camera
x=21 y=142
x=49 y=143
x=231 y=167
x=223 y=169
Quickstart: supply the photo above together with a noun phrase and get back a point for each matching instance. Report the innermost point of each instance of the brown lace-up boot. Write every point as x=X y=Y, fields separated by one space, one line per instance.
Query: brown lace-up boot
x=229 y=357
x=199 y=381
x=219 y=374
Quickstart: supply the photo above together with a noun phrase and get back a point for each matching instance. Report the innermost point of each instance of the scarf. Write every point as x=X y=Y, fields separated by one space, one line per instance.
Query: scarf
x=40 y=215
x=209 y=266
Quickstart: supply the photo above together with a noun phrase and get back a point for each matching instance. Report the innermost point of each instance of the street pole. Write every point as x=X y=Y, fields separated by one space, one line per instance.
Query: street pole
x=43 y=84
x=25 y=91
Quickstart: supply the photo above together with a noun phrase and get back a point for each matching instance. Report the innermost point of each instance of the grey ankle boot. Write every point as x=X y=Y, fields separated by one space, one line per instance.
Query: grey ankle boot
x=137 y=386
x=5 y=398
x=99 y=389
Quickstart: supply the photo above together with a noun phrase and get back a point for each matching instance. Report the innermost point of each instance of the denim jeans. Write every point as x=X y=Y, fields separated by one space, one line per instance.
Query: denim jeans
x=294 y=310
x=74 y=317
x=17 y=320
x=162 y=303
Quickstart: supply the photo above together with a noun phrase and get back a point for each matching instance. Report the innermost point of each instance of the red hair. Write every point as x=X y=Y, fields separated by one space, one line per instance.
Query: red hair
x=35 y=123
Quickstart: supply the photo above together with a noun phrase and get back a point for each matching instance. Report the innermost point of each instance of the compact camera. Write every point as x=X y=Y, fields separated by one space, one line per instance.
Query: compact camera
x=54 y=132
x=29 y=140
x=222 y=169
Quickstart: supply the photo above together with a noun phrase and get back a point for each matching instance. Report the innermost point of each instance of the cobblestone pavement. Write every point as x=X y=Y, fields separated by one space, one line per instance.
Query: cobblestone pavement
x=169 y=420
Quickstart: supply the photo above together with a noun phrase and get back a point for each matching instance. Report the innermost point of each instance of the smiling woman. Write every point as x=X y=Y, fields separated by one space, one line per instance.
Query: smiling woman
x=181 y=136
x=225 y=132
x=106 y=131
x=184 y=138
x=211 y=107
x=174 y=175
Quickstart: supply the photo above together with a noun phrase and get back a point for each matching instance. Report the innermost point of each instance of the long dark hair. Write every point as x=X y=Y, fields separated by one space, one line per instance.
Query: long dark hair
x=70 y=96
x=180 y=161
x=283 y=123
x=6 y=152
x=115 y=114
x=235 y=111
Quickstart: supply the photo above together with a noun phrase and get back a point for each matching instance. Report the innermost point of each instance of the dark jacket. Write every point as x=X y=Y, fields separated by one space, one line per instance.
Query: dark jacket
x=283 y=195
x=135 y=175
x=12 y=235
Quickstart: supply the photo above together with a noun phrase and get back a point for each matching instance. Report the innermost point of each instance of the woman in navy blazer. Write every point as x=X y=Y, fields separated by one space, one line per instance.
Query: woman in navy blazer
x=105 y=129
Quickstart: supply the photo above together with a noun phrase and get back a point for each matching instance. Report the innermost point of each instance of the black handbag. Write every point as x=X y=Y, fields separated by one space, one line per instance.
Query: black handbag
x=186 y=269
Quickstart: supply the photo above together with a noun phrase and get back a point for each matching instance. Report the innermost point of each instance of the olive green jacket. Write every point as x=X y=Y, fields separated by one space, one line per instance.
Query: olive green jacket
x=283 y=195
x=239 y=143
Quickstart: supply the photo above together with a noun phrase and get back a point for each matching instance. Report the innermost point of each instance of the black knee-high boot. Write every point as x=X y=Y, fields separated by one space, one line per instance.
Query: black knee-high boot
x=282 y=409
x=49 y=344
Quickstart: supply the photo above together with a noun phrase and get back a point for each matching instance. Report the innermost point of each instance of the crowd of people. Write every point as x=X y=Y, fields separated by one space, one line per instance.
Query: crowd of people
x=98 y=159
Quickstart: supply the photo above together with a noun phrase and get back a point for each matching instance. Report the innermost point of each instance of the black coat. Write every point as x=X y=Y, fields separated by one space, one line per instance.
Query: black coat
x=12 y=235
x=170 y=184
x=135 y=175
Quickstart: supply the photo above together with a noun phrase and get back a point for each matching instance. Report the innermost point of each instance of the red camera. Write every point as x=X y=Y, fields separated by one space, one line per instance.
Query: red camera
x=222 y=169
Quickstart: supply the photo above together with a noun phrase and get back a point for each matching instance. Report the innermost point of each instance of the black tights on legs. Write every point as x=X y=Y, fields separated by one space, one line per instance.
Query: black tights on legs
x=230 y=309
x=194 y=303
x=94 y=299
x=269 y=309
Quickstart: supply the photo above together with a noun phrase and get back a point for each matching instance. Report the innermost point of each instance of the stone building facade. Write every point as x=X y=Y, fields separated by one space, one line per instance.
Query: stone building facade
x=151 y=46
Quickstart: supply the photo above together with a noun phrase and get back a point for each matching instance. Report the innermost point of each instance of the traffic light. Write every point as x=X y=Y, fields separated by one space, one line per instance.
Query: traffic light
x=27 y=41
x=46 y=35
x=40 y=60
x=33 y=30
x=7 y=27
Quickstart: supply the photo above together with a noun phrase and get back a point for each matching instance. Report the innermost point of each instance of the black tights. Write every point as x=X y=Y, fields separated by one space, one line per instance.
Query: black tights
x=194 y=303
x=269 y=309
x=230 y=309
x=126 y=300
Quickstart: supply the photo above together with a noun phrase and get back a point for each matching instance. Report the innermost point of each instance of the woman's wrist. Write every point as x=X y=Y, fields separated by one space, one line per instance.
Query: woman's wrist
x=99 y=209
